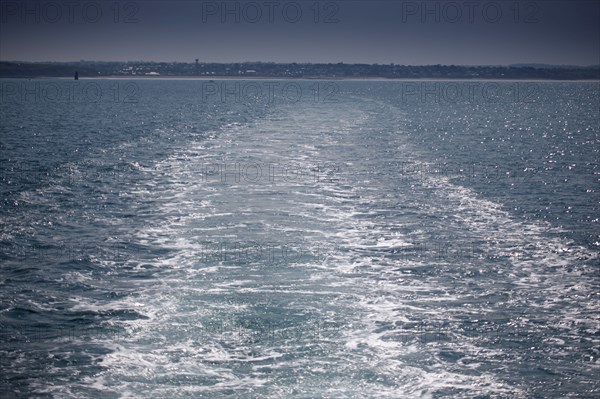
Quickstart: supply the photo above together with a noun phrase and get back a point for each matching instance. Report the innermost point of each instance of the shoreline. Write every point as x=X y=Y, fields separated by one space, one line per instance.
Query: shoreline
x=324 y=78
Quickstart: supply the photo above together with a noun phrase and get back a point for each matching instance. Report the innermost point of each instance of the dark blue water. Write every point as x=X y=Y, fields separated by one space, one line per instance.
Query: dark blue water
x=299 y=239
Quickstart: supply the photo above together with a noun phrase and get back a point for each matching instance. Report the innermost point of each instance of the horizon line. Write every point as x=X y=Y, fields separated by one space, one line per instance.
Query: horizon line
x=307 y=63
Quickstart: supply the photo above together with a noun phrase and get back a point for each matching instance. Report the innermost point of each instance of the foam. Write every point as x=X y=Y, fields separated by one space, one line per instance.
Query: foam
x=361 y=285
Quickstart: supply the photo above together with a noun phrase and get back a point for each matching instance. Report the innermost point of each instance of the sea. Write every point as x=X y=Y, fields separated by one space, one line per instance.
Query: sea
x=195 y=238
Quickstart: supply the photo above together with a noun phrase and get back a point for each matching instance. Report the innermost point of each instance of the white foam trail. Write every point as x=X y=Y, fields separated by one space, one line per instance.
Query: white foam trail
x=361 y=281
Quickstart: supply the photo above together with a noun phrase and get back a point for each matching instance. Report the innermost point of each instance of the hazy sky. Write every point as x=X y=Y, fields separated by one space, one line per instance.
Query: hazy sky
x=403 y=32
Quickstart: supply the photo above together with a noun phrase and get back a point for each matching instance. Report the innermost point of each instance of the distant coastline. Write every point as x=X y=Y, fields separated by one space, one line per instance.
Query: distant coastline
x=260 y=70
x=356 y=79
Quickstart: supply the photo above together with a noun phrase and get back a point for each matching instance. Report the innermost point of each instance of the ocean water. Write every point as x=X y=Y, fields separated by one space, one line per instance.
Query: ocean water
x=299 y=239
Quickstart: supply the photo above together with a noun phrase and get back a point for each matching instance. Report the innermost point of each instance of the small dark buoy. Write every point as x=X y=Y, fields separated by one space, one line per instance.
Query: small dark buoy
x=76 y=75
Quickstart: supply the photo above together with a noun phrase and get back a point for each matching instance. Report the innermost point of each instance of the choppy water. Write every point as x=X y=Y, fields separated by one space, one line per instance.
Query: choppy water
x=194 y=239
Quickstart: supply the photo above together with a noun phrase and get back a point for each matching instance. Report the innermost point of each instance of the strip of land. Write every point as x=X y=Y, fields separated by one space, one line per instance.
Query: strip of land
x=97 y=69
